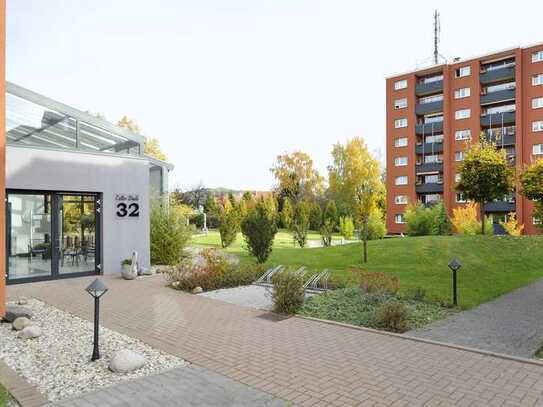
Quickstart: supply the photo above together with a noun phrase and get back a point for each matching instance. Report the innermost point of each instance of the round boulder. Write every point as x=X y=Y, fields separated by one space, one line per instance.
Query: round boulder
x=30 y=332
x=125 y=360
x=197 y=290
x=15 y=311
x=21 y=323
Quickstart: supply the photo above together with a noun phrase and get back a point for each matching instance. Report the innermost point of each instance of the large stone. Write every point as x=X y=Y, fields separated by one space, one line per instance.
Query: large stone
x=197 y=290
x=21 y=323
x=30 y=332
x=126 y=361
x=15 y=311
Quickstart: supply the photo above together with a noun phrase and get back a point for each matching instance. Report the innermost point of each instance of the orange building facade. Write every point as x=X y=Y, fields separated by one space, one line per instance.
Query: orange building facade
x=434 y=113
x=2 y=156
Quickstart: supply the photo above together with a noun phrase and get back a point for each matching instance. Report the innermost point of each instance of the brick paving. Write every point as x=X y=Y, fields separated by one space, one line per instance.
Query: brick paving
x=307 y=362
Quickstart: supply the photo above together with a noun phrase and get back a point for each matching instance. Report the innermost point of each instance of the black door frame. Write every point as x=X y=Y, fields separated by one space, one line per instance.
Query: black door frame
x=55 y=260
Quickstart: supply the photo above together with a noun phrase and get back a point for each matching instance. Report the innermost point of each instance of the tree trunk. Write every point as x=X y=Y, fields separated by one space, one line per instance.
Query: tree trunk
x=365 y=240
x=482 y=209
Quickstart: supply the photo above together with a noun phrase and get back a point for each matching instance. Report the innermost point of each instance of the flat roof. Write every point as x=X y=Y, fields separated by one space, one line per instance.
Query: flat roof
x=459 y=61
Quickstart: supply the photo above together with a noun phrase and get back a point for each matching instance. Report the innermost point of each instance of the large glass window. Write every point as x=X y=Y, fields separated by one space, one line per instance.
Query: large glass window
x=33 y=124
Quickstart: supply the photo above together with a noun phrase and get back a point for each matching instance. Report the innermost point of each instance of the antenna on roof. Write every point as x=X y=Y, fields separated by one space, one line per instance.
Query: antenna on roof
x=437 y=32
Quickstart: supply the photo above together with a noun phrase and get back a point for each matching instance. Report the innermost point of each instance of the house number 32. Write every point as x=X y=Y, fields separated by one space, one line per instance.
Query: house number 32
x=131 y=210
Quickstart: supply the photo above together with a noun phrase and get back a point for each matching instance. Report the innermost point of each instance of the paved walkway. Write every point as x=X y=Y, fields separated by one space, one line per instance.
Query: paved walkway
x=185 y=386
x=307 y=362
x=511 y=324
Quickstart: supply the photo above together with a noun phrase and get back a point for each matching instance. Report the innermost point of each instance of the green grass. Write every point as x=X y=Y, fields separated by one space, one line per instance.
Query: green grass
x=4 y=396
x=492 y=265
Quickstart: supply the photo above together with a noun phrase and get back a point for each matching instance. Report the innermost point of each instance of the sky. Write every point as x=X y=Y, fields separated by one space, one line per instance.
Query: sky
x=226 y=86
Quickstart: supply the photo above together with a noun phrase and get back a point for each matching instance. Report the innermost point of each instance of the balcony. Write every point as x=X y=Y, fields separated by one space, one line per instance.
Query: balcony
x=423 y=89
x=495 y=119
x=428 y=128
x=429 y=148
x=500 y=206
x=429 y=167
x=499 y=96
x=496 y=75
x=426 y=108
x=501 y=141
x=429 y=188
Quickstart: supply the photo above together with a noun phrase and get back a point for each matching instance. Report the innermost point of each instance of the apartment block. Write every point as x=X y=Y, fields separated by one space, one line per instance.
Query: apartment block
x=434 y=113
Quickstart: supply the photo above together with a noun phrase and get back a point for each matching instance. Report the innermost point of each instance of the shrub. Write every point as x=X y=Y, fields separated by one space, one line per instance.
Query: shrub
x=511 y=226
x=212 y=221
x=326 y=231
x=300 y=223
x=393 y=317
x=415 y=294
x=315 y=216
x=376 y=226
x=378 y=282
x=259 y=228
x=465 y=221
x=229 y=227
x=288 y=292
x=441 y=223
x=330 y=213
x=420 y=220
x=285 y=216
x=217 y=272
x=346 y=227
x=169 y=234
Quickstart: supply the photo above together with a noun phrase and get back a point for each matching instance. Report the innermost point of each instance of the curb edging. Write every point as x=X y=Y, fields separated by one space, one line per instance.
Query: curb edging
x=24 y=393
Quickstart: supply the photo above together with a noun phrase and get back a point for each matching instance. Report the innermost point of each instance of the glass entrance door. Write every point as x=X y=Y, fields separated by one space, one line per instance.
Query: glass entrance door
x=52 y=235
x=77 y=233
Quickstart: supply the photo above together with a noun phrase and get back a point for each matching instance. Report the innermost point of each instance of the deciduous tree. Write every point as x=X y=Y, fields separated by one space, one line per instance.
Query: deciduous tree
x=485 y=176
x=531 y=181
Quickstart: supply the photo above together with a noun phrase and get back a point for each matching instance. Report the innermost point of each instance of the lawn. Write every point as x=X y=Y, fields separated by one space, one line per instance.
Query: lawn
x=4 y=396
x=492 y=265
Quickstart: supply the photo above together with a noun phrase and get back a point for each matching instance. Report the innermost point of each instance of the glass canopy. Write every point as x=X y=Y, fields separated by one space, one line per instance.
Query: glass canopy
x=43 y=122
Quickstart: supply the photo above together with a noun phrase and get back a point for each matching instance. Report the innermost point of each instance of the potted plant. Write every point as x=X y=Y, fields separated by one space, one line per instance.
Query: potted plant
x=126 y=264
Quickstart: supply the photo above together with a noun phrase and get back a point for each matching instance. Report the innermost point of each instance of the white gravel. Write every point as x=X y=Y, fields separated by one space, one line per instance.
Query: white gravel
x=58 y=362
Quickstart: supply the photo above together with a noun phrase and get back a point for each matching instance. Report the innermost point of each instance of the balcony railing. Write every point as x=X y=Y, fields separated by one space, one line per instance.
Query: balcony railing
x=428 y=88
x=429 y=128
x=501 y=138
x=427 y=188
x=429 y=148
x=498 y=74
x=429 y=167
x=432 y=107
x=497 y=119
x=500 y=206
x=498 y=96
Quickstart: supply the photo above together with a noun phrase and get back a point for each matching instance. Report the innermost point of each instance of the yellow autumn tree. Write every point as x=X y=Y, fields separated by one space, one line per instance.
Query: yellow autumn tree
x=355 y=180
x=151 y=147
x=511 y=225
x=465 y=220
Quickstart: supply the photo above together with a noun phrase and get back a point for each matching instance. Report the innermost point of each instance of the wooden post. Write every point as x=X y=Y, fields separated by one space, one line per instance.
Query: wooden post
x=3 y=270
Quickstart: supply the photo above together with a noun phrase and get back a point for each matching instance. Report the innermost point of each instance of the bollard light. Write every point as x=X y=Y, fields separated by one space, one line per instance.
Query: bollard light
x=455 y=265
x=96 y=289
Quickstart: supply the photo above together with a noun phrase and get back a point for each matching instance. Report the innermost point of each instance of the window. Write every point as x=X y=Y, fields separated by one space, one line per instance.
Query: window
x=399 y=123
x=432 y=198
x=462 y=114
x=400 y=199
x=462 y=93
x=537 y=149
x=398 y=218
x=436 y=138
x=400 y=103
x=537 y=79
x=432 y=179
x=457 y=177
x=401 y=180
x=400 y=84
x=459 y=156
x=537 y=126
x=460 y=197
x=537 y=56
x=537 y=103
x=400 y=142
x=431 y=99
x=462 y=134
x=400 y=161
x=432 y=158
x=462 y=71
x=536 y=220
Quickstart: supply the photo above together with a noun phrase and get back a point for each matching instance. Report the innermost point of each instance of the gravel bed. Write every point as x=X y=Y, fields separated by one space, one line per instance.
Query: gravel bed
x=58 y=362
